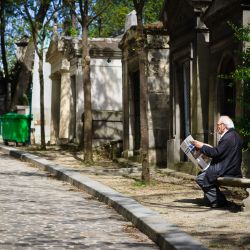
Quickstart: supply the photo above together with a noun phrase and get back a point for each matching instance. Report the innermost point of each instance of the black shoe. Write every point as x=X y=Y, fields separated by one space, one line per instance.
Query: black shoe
x=220 y=204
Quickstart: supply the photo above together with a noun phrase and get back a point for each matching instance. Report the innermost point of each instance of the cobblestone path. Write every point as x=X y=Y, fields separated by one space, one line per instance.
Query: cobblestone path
x=37 y=212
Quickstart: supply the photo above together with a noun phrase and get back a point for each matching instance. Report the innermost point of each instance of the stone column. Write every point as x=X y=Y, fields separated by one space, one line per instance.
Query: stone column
x=158 y=98
x=55 y=108
x=65 y=97
x=200 y=86
x=79 y=102
x=125 y=103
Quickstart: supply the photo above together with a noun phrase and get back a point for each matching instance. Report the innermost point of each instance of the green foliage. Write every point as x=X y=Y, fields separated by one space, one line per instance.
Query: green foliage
x=139 y=183
x=112 y=21
x=17 y=25
x=152 y=11
x=241 y=33
x=10 y=31
x=73 y=31
x=242 y=75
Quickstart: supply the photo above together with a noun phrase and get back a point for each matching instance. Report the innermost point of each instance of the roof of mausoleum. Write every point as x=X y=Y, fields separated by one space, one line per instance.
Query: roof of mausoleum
x=154 y=26
x=129 y=36
x=105 y=47
x=71 y=47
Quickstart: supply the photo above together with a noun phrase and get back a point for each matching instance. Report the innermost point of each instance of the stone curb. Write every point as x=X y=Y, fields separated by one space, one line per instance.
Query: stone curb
x=164 y=234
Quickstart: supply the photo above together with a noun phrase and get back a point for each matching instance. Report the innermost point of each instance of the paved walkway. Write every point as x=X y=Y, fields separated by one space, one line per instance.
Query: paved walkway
x=165 y=234
x=42 y=213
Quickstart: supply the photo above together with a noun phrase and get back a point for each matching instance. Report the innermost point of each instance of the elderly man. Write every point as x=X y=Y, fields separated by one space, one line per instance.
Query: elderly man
x=226 y=161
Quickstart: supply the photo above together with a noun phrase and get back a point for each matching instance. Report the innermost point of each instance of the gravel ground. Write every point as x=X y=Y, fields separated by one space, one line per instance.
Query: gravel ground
x=179 y=201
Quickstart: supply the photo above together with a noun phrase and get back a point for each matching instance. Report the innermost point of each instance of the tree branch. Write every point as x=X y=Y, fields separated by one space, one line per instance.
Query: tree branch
x=99 y=13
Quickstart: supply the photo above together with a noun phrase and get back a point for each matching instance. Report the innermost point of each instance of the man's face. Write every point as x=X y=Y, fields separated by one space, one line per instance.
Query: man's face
x=220 y=127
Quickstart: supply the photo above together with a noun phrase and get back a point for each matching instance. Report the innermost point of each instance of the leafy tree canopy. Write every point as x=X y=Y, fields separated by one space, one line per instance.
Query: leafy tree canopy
x=112 y=21
x=241 y=75
x=109 y=24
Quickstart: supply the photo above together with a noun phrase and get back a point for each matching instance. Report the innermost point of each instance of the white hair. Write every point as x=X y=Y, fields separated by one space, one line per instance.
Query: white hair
x=227 y=121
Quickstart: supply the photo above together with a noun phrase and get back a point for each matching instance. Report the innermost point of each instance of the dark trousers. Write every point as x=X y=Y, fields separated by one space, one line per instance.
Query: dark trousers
x=211 y=190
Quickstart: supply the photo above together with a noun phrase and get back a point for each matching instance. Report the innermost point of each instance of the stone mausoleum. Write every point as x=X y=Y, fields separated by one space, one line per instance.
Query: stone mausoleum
x=157 y=81
x=67 y=103
x=202 y=47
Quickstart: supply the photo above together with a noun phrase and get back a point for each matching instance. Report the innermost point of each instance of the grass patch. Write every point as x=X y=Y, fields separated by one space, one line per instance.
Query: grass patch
x=139 y=183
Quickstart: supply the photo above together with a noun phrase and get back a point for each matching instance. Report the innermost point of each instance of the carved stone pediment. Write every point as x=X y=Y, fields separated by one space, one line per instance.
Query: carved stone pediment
x=157 y=41
x=128 y=38
x=51 y=50
x=155 y=37
x=67 y=47
x=104 y=48
x=56 y=48
x=71 y=47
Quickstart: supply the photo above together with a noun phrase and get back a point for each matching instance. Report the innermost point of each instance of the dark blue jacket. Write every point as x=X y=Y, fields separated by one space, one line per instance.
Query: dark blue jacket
x=227 y=156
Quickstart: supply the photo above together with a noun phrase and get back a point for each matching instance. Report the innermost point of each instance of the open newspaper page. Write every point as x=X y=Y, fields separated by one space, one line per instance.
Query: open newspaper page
x=194 y=154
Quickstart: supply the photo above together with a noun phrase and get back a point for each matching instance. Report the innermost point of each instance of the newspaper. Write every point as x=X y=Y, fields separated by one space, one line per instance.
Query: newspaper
x=194 y=154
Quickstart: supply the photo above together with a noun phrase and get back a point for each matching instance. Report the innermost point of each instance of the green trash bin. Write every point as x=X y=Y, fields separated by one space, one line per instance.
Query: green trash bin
x=15 y=127
x=0 y=127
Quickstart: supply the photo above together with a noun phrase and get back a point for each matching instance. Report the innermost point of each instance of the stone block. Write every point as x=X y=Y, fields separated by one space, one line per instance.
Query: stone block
x=158 y=138
x=158 y=84
x=158 y=101
x=173 y=152
x=185 y=167
x=157 y=157
x=158 y=41
x=106 y=115
x=127 y=153
x=158 y=121
x=158 y=68
x=109 y=130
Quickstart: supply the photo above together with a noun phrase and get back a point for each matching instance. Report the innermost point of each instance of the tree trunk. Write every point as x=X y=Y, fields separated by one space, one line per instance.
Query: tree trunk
x=7 y=89
x=87 y=147
x=42 y=117
x=143 y=93
x=144 y=118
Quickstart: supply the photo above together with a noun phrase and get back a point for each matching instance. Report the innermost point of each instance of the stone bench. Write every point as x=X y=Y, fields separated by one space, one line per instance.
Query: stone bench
x=237 y=182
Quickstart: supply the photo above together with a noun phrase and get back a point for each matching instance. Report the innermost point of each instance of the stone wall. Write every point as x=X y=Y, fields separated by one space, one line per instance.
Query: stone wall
x=157 y=80
x=107 y=126
x=67 y=108
x=158 y=97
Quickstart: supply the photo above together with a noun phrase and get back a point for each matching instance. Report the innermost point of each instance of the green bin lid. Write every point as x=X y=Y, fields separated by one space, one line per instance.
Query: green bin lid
x=15 y=116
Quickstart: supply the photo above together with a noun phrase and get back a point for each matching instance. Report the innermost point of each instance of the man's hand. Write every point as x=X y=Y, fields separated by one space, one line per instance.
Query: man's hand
x=197 y=144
